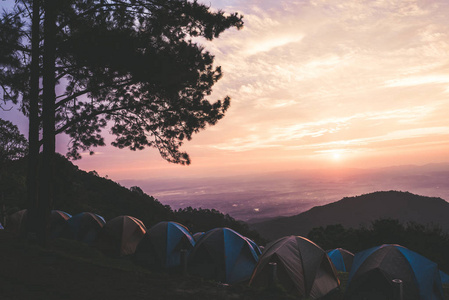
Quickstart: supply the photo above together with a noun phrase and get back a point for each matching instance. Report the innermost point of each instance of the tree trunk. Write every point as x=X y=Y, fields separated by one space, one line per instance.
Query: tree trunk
x=48 y=119
x=33 y=133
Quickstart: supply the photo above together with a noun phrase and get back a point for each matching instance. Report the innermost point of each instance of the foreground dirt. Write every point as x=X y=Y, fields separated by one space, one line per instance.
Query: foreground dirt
x=67 y=270
x=70 y=270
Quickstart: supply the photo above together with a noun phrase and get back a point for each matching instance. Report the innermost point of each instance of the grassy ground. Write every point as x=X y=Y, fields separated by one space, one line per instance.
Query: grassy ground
x=71 y=270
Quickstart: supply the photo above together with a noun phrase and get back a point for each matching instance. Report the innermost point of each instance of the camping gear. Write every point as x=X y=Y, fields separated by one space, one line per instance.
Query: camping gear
x=198 y=235
x=16 y=222
x=161 y=246
x=376 y=270
x=341 y=258
x=84 y=227
x=223 y=255
x=297 y=264
x=58 y=223
x=120 y=236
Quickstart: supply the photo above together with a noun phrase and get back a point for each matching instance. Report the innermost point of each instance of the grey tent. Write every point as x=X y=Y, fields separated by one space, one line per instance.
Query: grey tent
x=341 y=258
x=223 y=255
x=303 y=268
x=374 y=269
x=161 y=246
x=120 y=236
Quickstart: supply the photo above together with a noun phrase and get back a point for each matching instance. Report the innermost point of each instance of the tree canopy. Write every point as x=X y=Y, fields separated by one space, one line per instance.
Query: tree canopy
x=13 y=145
x=131 y=66
x=128 y=65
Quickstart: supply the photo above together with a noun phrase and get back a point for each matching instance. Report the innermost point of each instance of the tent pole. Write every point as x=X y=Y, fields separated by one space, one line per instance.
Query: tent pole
x=274 y=270
x=398 y=293
x=184 y=261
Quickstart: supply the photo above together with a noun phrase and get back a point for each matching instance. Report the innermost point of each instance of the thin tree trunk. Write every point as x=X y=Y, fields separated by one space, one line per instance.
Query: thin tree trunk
x=33 y=134
x=48 y=119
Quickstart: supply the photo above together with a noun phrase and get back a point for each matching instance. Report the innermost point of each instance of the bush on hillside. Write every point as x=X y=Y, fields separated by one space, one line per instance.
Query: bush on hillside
x=430 y=241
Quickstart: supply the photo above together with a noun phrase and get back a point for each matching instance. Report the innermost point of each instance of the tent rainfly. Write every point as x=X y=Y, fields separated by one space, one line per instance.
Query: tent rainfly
x=120 y=236
x=223 y=255
x=341 y=258
x=84 y=227
x=16 y=222
x=161 y=246
x=198 y=235
x=58 y=223
x=302 y=268
x=374 y=270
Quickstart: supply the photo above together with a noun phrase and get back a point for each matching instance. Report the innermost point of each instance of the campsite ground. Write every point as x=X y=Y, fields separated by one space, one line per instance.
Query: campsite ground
x=72 y=270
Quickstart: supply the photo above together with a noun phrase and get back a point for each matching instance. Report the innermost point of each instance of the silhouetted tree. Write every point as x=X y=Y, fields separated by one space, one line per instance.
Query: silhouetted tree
x=130 y=65
x=13 y=144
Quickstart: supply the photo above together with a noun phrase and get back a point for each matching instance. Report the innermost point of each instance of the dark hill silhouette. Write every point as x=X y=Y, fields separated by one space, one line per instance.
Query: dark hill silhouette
x=79 y=191
x=361 y=210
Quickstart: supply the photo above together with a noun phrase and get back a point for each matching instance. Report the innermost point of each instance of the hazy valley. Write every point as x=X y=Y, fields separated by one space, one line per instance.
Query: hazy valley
x=270 y=195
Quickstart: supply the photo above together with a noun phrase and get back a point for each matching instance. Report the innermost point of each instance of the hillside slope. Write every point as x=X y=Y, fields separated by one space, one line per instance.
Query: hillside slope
x=361 y=210
x=79 y=191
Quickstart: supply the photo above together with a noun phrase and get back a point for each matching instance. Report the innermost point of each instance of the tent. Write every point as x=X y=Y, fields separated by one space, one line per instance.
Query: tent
x=120 y=236
x=161 y=246
x=198 y=235
x=58 y=220
x=16 y=222
x=444 y=277
x=84 y=227
x=58 y=223
x=303 y=268
x=374 y=269
x=223 y=255
x=255 y=247
x=341 y=258
x=1 y=226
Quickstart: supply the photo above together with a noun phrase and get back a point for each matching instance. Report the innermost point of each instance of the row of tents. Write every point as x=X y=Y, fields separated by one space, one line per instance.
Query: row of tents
x=296 y=263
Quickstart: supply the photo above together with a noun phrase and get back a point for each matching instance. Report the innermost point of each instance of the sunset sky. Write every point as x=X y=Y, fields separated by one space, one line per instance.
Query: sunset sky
x=315 y=84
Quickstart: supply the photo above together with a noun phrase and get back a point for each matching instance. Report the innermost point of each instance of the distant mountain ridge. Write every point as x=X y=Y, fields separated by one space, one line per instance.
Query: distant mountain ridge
x=361 y=210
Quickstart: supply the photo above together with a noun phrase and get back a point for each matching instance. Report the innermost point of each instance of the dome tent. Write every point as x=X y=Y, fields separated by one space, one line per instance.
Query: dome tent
x=255 y=246
x=444 y=277
x=120 y=236
x=161 y=246
x=16 y=222
x=58 y=223
x=198 y=235
x=303 y=268
x=374 y=269
x=341 y=258
x=84 y=227
x=223 y=255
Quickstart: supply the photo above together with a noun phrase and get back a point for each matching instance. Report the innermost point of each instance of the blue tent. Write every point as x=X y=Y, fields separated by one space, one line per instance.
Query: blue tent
x=84 y=227
x=255 y=247
x=223 y=255
x=341 y=258
x=198 y=235
x=1 y=226
x=161 y=246
x=374 y=269
x=444 y=277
